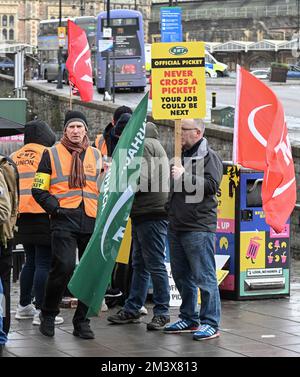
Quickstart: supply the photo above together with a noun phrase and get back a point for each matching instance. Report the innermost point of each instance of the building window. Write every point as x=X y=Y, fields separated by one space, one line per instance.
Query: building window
x=11 y=21
x=4 y=34
x=11 y=35
x=4 y=20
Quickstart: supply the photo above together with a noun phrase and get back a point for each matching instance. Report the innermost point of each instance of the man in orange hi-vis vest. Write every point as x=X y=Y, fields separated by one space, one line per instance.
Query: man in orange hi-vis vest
x=33 y=222
x=65 y=186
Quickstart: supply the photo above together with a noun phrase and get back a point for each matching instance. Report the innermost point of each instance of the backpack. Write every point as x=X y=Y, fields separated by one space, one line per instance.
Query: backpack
x=10 y=196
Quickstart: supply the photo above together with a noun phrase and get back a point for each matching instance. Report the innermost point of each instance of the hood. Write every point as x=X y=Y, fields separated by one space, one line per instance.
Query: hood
x=39 y=132
x=151 y=130
x=107 y=130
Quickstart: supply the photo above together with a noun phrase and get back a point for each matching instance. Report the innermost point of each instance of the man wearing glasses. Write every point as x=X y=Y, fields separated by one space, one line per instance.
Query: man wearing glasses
x=192 y=211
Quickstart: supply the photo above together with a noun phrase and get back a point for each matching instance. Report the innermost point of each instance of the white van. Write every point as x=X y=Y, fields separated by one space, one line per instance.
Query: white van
x=212 y=63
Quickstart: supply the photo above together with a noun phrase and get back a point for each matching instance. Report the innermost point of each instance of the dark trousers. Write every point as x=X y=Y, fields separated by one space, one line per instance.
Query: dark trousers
x=34 y=274
x=64 y=245
x=5 y=274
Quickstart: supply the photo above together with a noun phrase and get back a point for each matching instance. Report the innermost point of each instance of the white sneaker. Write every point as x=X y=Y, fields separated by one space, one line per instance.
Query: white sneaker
x=143 y=311
x=104 y=307
x=36 y=319
x=25 y=312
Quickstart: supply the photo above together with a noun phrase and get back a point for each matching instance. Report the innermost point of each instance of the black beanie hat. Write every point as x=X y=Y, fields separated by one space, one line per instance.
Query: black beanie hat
x=119 y=111
x=75 y=116
x=121 y=123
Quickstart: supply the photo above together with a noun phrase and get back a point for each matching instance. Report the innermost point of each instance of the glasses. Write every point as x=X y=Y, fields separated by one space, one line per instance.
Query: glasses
x=189 y=129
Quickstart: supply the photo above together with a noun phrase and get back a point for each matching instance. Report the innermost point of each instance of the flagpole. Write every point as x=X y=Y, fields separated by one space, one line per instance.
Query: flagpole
x=177 y=143
x=70 y=105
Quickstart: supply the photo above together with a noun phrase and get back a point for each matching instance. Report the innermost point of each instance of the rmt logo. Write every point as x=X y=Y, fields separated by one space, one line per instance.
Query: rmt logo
x=178 y=50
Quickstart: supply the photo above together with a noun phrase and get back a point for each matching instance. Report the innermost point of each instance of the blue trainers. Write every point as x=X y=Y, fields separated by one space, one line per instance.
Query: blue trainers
x=206 y=332
x=182 y=325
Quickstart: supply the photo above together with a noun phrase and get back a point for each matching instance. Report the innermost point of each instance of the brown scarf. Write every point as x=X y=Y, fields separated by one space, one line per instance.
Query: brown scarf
x=77 y=176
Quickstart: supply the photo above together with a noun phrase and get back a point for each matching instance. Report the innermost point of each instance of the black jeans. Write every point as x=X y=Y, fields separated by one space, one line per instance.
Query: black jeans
x=64 y=244
x=5 y=274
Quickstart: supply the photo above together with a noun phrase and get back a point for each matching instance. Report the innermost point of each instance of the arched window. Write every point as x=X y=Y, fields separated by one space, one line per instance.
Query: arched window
x=11 y=21
x=4 y=20
x=4 y=34
x=11 y=35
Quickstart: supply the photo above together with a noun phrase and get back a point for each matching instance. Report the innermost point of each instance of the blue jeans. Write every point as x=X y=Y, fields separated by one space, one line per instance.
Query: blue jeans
x=34 y=274
x=193 y=265
x=148 y=259
x=3 y=336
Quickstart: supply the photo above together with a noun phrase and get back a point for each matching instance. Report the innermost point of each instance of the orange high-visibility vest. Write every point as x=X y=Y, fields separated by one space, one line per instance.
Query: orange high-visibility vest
x=100 y=143
x=61 y=160
x=27 y=160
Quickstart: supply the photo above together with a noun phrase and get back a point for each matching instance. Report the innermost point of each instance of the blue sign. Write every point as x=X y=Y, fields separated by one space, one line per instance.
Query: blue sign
x=170 y=24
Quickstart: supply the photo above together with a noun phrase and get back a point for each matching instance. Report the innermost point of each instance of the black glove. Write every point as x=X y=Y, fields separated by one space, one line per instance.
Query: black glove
x=56 y=212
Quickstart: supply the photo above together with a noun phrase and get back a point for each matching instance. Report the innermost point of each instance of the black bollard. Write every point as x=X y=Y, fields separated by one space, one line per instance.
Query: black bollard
x=213 y=99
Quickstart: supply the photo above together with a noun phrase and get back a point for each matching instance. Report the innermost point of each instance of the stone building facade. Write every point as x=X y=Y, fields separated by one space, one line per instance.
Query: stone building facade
x=19 y=19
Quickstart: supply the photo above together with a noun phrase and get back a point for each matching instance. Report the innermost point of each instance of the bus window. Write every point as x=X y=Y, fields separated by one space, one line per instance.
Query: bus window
x=48 y=45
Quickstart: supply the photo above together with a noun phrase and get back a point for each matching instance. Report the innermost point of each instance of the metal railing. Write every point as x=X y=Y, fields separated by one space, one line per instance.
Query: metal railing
x=246 y=12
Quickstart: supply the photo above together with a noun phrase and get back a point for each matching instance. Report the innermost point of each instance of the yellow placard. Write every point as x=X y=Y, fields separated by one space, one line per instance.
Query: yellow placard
x=124 y=251
x=178 y=80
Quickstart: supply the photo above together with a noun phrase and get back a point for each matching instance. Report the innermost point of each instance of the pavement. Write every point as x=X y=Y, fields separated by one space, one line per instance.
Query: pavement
x=269 y=328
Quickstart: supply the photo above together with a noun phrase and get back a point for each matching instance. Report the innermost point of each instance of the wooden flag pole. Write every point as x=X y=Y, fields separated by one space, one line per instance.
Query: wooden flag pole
x=70 y=105
x=177 y=142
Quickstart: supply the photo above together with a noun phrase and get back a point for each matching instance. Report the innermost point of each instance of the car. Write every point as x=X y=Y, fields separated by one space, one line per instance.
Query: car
x=293 y=72
x=260 y=73
x=6 y=65
x=49 y=70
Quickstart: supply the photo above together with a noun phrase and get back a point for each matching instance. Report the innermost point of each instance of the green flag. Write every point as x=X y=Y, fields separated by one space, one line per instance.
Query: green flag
x=92 y=275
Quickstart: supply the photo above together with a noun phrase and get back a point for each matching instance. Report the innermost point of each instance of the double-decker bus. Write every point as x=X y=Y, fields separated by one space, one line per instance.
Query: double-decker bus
x=48 y=45
x=128 y=50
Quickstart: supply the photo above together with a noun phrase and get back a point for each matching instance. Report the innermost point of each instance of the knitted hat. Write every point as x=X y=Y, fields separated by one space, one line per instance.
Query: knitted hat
x=121 y=123
x=119 y=111
x=75 y=116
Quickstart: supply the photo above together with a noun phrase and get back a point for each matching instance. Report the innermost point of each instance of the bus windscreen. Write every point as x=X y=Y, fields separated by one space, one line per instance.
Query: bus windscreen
x=124 y=32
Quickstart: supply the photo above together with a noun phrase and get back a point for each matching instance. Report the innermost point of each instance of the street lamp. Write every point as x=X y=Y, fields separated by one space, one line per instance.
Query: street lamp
x=298 y=26
x=59 y=56
x=82 y=7
x=107 y=95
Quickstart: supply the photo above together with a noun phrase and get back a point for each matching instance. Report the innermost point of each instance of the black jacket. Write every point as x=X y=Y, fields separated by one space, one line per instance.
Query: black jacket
x=200 y=215
x=35 y=228
x=110 y=140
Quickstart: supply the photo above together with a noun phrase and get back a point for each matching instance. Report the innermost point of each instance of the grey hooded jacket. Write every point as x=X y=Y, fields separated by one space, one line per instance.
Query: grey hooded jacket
x=150 y=200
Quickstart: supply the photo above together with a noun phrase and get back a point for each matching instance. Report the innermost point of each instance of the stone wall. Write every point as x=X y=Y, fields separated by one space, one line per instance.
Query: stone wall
x=51 y=107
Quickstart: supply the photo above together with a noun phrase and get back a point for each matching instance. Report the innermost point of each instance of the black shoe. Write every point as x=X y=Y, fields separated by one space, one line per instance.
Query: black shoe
x=113 y=292
x=47 y=325
x=124 y=317
x=1 y=349
x=158 y=322
x=83 y=330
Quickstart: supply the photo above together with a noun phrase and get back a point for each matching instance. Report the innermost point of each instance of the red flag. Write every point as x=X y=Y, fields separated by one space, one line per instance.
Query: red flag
x=79 y=62
x=261 y=142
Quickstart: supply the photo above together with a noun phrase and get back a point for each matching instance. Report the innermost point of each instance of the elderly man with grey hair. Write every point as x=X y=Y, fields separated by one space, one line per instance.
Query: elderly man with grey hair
x=192 y=211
